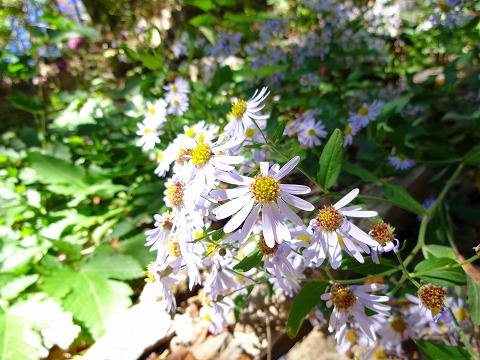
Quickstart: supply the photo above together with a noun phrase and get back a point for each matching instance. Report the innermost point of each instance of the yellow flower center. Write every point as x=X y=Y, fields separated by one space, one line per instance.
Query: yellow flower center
x=347 y=130
x=201 y=155
x=363 y=111
x=264 y=249
x=174 y=247
x=174 y=88
x=176 y=103
x=249 y=132
x=398 y=325
x=432 y=296
x=238 y=109
x=190 y=132
x=160 y=156
x=304 y=238
x=380 y=354
x=382 y=233
x=151 y=110
x=311 y=132
x=146 y=131
x=342 y=297
x=201 y=138
x=265 y=188
x=351 y=336
x=167 y=225
x=329 y=219
x=175 y=193
x=462 y=314
x=445 y=8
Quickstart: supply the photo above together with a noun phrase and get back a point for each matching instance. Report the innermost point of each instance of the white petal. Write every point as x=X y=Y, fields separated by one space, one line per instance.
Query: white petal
x=224 y=194
x=267 y=226
x=239 y=218
x=360 y=235
x=233 y=178
x=289 y=213
x=264 y=168
x=229 y=159
x=346 y=199
x=295 y=189
x=289 y=166
x=360 y=214
x=280 y=228
x=231 y=207
x=297 y=202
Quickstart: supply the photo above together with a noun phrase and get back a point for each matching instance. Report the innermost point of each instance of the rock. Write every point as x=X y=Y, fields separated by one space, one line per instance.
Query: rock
x=315 y=346
x=212 y=346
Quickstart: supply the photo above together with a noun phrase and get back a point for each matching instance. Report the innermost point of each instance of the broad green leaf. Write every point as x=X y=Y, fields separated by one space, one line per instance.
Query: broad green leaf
x=438 y=251
x=86 y=31
x=17 y=339
x=11 y=285
x=360 y=172
x=433 y=351
x=250 y=261
x=239 y=18
x=92 y=298
x=305 y=301
x=31 y=104
x=400 y=197
x=331 y=160
x=116 y=266
x=229 y=3
x=473 y=300
x=152 y=62
x=429 y=270
x=56 y=171
x=203 y=20
x=368 y=267
x=205 y=5
x=209 y=34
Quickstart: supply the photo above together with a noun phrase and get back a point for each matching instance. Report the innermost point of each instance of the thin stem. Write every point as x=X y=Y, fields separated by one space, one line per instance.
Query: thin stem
x=464 y=338
x=405 y=271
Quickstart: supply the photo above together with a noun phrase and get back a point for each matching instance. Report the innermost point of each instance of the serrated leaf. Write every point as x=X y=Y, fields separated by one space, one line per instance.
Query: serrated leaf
x=250 y=261
x=11 y=285
x=433 y=351
x=429 y=270
x=331 y=160
x=400 y=197
x=305 y=301
x=360 y=172
x=94 y=300
x=473 y=300
x=117 y=266
x=17 y=339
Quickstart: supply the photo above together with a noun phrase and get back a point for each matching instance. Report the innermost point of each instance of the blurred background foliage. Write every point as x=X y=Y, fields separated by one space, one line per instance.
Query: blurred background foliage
x=76 y=192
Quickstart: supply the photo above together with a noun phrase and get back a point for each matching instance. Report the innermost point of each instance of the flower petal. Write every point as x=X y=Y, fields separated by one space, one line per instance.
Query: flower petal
x=289 y=166
x=346 y=199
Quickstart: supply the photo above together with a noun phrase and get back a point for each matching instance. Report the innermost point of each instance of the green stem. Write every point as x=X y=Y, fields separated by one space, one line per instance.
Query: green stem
x=405 y=271
x=464 y=338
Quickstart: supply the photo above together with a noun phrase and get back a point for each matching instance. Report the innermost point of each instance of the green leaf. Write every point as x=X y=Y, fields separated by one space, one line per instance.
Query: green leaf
x=56 y=171
x=433 y=351
x=368 y=267
x=86 y=31
x=209 y=34
x=360 y=172
x=472 y=157
x=250 y=261
x=331 y=160
x=31 y=104
x=229 y=3
x=17 y=339
x=92 y=298
x=400 y=197
x=203 y=20
x=305 y=301
x=429 y=270
x=473 y=300
x=205 y=5
x=117 y=266
x=151 y=62
x=279 y=131
x=11 y=285
x=438 y=251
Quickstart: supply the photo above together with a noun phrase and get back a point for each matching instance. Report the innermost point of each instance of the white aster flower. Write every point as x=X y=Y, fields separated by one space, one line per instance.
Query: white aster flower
x=202 y=162
x=401 y=162
x=365 y=114
x=244 y=112
x=149 y=132
x=159 y=274
x=348 y=134
x=349 y=304
x=383 y=233
x=309 y=133
x=157 y=112
x=177 y=104
x=262 y=193
x=332 y=232
x=179 y=86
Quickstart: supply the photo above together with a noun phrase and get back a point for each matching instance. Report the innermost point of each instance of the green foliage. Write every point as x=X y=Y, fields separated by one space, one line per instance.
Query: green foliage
x=441 y=271
x=433 y=351
x=331 y=160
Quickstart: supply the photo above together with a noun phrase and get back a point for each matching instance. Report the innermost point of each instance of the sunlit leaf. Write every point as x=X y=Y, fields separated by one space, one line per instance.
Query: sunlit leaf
x=433 y=351
x=473 y=299
x=439 y=271
x=331 y=160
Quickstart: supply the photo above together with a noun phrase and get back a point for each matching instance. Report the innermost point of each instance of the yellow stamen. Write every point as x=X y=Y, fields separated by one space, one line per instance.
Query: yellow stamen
x=201 y=155
x=363 y=111
x=238 y=109
x=342 y=297
x=329 y=219
x=265 y=188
